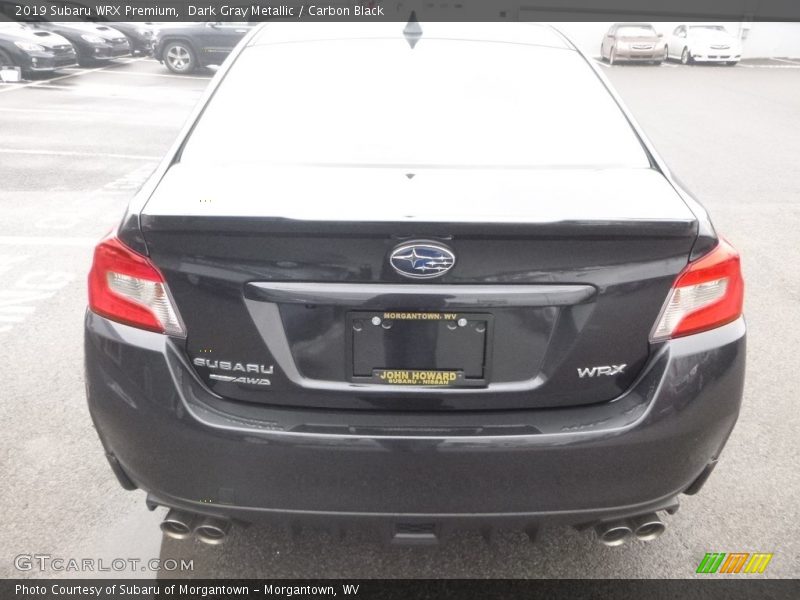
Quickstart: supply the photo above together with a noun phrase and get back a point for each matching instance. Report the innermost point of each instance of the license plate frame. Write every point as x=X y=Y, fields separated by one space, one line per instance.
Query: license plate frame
x=430 y=349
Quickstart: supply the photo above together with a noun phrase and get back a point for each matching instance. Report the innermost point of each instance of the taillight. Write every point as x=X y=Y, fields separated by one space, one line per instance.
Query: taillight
x=124 y=286
x=708 y=293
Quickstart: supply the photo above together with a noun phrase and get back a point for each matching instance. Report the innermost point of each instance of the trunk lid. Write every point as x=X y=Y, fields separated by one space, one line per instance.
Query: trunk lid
x=278 y=274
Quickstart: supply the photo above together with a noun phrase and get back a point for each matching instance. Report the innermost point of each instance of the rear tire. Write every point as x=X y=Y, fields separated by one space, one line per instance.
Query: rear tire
x=179 y=58
x=612 y=55
x=686 y=58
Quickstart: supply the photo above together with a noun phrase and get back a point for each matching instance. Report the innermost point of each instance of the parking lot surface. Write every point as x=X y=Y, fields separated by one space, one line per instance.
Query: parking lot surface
x=74 y=148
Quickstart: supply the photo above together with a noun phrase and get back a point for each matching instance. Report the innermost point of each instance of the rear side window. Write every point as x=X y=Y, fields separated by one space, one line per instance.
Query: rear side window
x=445 y=103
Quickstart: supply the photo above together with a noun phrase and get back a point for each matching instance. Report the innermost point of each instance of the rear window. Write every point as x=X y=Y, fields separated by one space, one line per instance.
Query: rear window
x=445 y=103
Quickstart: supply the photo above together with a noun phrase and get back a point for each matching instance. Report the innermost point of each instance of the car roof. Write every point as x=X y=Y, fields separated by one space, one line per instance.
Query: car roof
x=530 y=34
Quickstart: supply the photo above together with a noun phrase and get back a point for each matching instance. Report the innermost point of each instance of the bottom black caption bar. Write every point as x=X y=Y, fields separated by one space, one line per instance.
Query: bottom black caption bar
x=574 y=589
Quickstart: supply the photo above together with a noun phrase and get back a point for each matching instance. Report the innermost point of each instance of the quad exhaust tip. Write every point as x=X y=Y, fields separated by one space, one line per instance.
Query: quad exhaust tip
x=615 y=533
x=647 y=527
x=181 y=525
x=643 y=527
x=178 y=524
x=212 y=531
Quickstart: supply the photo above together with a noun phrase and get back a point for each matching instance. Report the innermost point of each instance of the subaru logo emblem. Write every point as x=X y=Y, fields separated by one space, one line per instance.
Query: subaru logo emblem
x=422 y=260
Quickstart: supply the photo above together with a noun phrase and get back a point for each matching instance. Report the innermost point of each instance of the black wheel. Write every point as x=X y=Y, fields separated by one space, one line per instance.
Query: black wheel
x=612 y=55
x=686 y=58
x=179 y=58
x=732 y=63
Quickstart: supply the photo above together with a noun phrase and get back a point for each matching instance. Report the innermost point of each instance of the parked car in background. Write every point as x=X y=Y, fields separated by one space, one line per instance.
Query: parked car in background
x=704 y=43
x=183 y=48
x=32 y=50
x=141 y=36
x=632 y=42
x=92 y=41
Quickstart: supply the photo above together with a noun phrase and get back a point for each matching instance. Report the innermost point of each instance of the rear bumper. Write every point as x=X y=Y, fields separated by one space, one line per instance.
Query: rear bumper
x=191 y=449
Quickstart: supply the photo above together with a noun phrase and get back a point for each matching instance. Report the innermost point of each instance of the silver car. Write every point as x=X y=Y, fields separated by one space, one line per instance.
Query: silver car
x=704 y=43
x=633 y=42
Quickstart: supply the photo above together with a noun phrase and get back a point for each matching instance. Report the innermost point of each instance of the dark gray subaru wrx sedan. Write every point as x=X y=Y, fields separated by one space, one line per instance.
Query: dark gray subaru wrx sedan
x=424 y=277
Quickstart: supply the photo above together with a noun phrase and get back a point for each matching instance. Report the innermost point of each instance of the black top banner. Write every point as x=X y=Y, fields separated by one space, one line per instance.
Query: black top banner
x=400 y=10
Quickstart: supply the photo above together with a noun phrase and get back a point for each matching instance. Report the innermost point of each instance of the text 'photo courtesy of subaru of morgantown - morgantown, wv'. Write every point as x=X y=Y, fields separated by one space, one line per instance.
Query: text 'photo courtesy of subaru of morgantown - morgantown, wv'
x=497 y=311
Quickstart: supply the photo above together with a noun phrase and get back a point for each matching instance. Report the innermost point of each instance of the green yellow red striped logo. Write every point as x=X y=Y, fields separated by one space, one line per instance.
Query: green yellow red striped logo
x=734 y=562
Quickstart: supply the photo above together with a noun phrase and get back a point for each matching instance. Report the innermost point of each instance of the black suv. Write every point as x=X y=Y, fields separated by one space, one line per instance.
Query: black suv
x=461 y=291
x=184 y=48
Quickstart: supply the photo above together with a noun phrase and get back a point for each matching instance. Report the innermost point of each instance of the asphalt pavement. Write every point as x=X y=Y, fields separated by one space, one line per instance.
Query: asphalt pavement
x=73 y=149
